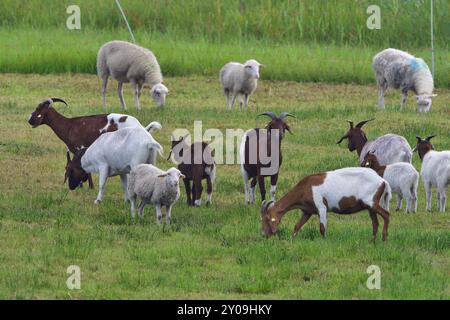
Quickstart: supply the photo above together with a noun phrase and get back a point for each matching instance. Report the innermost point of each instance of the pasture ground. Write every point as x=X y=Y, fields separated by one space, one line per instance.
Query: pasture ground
x=214 y=252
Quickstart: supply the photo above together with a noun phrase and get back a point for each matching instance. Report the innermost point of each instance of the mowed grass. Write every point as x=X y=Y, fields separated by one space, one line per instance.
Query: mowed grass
x=209 y=252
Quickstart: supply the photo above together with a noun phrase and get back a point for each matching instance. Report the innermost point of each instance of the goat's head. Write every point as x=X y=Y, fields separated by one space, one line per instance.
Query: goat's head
x=74 y=171
x=269 y=218
x=278 y=123
x=39 y=116
x=424 y=102
x=158 y=93
x=423 y=146
x=176 y=144
x=172 y=177
x=355 y=135
x=252 y=68
x=370 y=160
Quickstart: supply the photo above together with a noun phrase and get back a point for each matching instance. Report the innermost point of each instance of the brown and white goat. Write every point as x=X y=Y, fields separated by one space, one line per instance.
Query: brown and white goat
x=196 y=162
x=343 y=191
x=79 y=132
x=390 y=148
x=257 y=160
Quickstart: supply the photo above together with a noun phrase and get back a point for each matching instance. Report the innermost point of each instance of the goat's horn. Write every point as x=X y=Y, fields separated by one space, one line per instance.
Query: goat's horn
x=429 y=138
x=360 y=125
x=418 y=138
x=170 y=154
x=270 y=114
x=68 y=156
x=351 y=123
x=286 y=114
x=58 y=100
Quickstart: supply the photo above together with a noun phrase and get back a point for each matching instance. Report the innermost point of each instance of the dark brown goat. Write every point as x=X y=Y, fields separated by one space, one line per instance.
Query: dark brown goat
x=76 y=132
x=195 y=167
x=257 y=143
x=356 y=136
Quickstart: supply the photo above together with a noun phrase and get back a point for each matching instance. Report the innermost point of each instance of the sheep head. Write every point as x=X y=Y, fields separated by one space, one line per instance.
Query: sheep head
x=39 y=116
x=252 y=68
x=172 y=177
x=158 y=93
x=424 y=102
x=356 y=136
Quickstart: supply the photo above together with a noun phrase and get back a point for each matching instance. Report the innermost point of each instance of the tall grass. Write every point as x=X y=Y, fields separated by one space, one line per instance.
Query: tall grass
x=404 y=23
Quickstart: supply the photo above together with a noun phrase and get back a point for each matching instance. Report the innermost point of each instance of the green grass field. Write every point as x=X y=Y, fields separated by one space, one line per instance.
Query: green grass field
x=214 y=252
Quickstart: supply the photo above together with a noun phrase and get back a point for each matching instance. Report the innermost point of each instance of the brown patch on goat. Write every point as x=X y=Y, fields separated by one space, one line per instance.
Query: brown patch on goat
x=423 y=147
x=112 y=126
x=349 y=205
x=123 y=118
x=371 y=161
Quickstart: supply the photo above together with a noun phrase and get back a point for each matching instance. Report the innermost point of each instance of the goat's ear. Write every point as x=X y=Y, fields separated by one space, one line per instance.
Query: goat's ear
x=288 y=129
x=342 y=139
x=68 y=156
x=429 y=138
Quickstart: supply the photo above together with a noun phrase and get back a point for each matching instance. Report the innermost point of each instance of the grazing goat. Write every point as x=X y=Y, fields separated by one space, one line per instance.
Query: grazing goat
x=389 y=148
x=403 y=179
x=81 y=132
x=127 y=62
x=152 y=185
x=400 y=70
x=435 y=171
x=257 y=159
x=196 y=162
x=342 y=191
x=113 y=153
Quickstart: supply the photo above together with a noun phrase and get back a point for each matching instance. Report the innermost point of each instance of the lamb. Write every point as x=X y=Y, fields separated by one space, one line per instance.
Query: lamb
x=155 y=186
x=257 y=159
x=240 y=80
x=196 y=162
x=81 y=132
x=127 y=62
x=390 y=148
x=113 y=153
x=435 y=171
x=403 y=179
x=401 y=70
x=343 y=191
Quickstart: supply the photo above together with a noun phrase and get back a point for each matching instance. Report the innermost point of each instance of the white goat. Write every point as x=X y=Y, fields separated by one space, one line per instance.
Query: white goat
x=403 y=179
x=240 y=80
x=127 y=62
x=113 y=153
x=435 y=171
x=155 y=186
x=343 y=191
x=401 y=70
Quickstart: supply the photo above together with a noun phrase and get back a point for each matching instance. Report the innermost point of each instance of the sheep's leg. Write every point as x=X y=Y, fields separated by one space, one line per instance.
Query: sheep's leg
x=399 y=201
x=124 y=182
x=404 y=97
x=246 y=96
x=137 y=94
x=209 y=190
x=252 y=190
x=187 y=187
x=233 y=100
x=383 y=88
x=385 y=215
x=158 y=214
x=226 y=92
x=133 y=206
x=104 y=85
x=273 y=186
x=103 y=175
x=120 y=93
x=141 y=209
x=168 y=214
x=91 y=183
x=373 y=216
x=428 y=195
x=262 y=187
x=305 y=217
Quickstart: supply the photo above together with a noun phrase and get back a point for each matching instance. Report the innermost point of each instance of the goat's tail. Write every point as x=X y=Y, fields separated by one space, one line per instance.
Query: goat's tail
x=155 y=125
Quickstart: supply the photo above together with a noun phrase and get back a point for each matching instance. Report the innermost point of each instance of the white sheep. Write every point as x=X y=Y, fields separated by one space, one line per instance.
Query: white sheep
x=155 y=186
x=435 y=171
x=402 y=177
x=401 y=70
x=239 y=80
x=127 y=62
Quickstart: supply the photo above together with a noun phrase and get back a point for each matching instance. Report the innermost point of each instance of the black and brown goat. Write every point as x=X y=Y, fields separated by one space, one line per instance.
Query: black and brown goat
x=257 y=159
x=196 y=162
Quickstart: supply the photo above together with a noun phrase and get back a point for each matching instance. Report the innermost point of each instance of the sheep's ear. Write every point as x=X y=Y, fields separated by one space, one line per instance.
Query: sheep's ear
x=182 y=176
x=162 y=175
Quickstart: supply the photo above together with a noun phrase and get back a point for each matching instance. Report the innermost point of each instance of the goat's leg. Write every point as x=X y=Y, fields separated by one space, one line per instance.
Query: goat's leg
x=245 y=177
x=187 y=188
x=399 y=201
x=373 y=216
x=441 y=198
x=323 y=219
x=104 y=85
x=404 y=97
x=385 y=215
x=124 y=182
x=91 y=183
x=305 y=217
x=209 y=190
x=273 y=186
x=158 y=214
x=428 y=195
x=120 y=93
x=168 y=214
x=103 y=175
x=197 y=182
x=262 y=187
x=252 y=190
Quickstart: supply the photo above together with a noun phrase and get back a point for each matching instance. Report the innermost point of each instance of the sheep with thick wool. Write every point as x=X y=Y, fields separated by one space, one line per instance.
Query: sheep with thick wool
x=400 y=70
x=239 y=80
x=129 y=63
x=155 y=186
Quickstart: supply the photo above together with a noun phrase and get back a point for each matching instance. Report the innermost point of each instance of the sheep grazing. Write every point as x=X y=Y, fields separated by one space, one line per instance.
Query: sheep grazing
x=403 y=179
x=196 y=162
x=257 y=159
x=152 y=185
x=342 y=191
x=435 y=171
x=113 y=153
x=239 y=80
x=390 y=148
x=400 y=70
x=127 y=62
x=81 y=132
